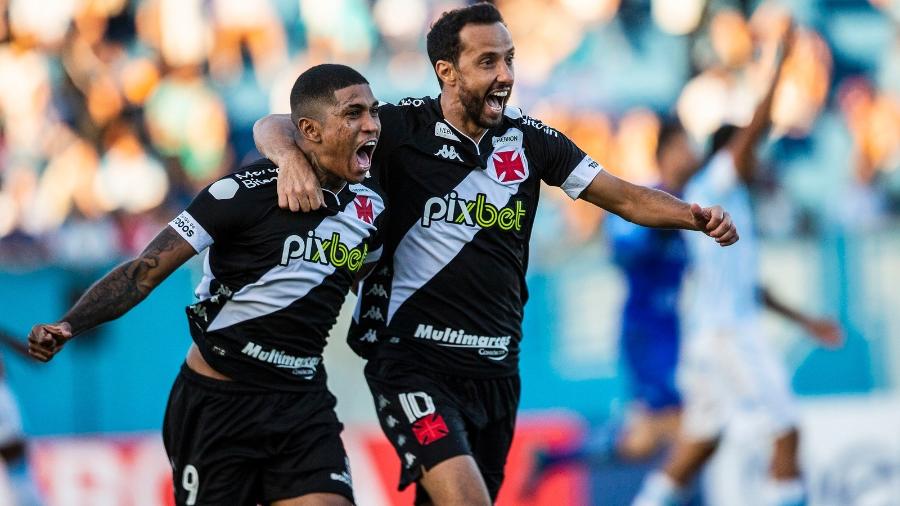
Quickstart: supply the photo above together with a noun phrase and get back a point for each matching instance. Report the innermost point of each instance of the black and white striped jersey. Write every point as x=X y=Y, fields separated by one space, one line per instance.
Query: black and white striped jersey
x=450 y=289
x=274 y=280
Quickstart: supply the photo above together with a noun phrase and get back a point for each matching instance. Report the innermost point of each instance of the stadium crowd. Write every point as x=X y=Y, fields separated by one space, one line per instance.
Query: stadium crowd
x=113 y=114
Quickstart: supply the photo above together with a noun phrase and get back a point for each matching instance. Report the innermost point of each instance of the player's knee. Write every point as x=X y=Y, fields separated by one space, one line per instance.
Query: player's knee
x=456 y=482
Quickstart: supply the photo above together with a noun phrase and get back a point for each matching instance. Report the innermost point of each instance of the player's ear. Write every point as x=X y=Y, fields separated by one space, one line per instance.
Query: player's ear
x=446 y=72
x=310 y=129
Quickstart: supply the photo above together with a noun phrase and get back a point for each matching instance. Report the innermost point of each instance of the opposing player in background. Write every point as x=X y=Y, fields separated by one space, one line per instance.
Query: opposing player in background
x=250 y=419
x=13 y=445
x=653 y=263
x=726 y=361
x=441 y=318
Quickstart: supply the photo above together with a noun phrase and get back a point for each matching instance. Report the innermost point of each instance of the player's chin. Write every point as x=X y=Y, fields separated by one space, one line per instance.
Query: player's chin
x=356 y=173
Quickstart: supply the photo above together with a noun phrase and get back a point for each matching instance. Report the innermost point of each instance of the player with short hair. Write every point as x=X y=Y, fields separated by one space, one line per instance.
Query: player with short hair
x=463 y=175
x=250 y=419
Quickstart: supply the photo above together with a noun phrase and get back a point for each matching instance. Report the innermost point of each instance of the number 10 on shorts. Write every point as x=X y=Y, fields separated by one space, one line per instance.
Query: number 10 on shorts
x=416 y=405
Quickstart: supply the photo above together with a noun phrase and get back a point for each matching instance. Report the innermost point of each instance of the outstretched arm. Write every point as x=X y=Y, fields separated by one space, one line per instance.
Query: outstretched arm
x=298 y=186
x=114 y=295
x=656 y=208
x=743 y=145
x=826 y=331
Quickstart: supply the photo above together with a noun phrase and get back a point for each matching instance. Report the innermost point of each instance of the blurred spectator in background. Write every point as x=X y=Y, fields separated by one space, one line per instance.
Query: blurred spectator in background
x=185 y=79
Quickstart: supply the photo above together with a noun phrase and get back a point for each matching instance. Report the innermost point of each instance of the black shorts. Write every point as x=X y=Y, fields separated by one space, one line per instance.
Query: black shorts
x=430 y=418
x=233 y=443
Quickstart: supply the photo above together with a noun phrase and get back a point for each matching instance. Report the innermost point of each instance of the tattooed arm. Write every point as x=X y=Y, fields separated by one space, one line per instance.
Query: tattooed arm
x=111 y=297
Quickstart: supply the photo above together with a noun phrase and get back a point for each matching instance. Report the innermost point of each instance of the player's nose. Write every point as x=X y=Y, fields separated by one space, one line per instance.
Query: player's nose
x=505 y=73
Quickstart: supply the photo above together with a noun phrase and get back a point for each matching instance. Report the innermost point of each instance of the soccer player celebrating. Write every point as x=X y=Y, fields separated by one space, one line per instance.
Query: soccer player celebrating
x=726 y=362
x=249 y=418
x=445 y=303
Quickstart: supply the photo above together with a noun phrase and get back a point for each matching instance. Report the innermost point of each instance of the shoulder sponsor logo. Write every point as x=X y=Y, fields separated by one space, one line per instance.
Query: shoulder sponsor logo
x=491 y=347
x=442 y=130
x=254 y=178
x=539 y=125
x=512 y=137
x=324 y=251
x=473 y=213
x=364 y=209
x=224 y=189
x=415 y=102
x=305 y=367
x=449 y=152
x=186 y=224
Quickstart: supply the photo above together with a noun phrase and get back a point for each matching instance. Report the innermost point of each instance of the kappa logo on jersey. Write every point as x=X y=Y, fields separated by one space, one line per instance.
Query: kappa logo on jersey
x=478 y=212
x=374 y=313
x=370 y=336
x=305 y=367
x=491 y=347
x=449 y=152
x=364 y=209
x=509 y=166
x=377 y=290
x=324 y=251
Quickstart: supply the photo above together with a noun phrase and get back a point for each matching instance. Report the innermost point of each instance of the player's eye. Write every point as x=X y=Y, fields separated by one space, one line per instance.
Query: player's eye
x=353 y=114
x=375 y=110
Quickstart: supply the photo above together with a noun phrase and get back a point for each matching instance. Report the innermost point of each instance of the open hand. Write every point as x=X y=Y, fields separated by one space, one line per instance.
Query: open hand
x=716 y=223
x=46 y=340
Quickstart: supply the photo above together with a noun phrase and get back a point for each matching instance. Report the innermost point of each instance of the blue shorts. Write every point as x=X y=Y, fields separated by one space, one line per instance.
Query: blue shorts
x=650 y=355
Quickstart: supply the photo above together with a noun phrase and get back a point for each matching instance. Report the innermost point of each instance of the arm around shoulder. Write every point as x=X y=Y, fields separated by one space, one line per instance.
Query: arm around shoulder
x=298 y=186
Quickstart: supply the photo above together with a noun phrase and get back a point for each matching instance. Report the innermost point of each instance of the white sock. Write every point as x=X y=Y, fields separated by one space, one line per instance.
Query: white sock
x=785 y=492
x=658 y=490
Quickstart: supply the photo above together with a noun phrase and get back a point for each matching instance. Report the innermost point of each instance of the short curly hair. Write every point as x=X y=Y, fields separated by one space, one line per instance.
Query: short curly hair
x=443 y=39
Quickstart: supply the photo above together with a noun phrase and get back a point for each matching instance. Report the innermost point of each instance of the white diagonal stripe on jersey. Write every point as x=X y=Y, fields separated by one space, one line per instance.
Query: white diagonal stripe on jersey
x=202 y=290
x=283 y=285
x=424 y=251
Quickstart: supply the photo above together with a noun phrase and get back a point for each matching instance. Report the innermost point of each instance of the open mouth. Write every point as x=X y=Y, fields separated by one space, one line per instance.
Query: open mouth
x=364 y=154
x=496 y=99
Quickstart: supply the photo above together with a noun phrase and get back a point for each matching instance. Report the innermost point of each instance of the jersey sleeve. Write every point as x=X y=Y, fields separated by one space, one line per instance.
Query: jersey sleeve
x=213 y=214
x=563 y=163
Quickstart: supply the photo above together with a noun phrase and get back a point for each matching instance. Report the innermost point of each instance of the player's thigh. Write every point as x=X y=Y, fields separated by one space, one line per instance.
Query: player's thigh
x=766 y=384
x=455 y=481
x=420 y=417
x=707 y=387
x=307 y=458
x=202 y=433
x=491 y=442
x=314 y=500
